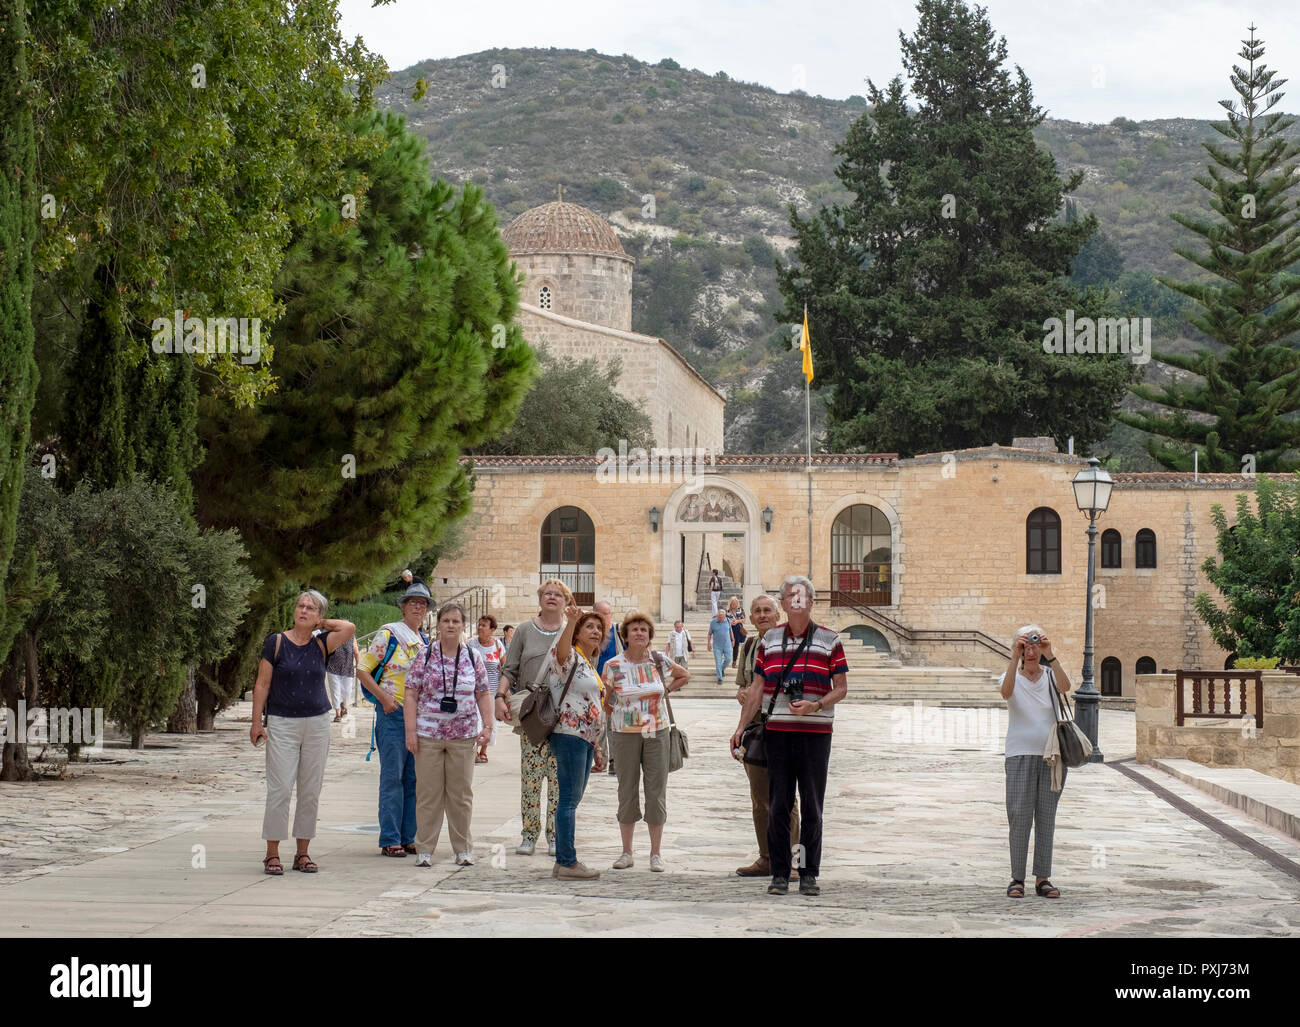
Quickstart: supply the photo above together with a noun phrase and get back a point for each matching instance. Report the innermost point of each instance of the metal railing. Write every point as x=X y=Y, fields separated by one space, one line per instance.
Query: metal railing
x=1208 y=679
x=914 y=635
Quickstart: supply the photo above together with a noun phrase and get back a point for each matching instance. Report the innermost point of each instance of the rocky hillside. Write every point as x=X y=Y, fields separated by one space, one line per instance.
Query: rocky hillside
x=696 y=171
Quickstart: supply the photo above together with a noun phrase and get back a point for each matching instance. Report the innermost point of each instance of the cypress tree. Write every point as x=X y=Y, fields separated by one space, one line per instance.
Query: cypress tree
x=1248 y=394
x=927 y=293
x=17 y=233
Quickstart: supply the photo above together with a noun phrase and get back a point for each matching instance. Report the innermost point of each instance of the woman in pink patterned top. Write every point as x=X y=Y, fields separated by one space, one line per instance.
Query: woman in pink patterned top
x=446 y=707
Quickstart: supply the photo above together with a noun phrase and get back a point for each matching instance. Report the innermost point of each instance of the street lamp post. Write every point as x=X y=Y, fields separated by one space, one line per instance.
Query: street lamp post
x=1092 y=488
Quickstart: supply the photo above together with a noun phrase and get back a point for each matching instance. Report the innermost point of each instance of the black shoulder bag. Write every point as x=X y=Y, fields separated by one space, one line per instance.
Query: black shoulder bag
x=754 y=739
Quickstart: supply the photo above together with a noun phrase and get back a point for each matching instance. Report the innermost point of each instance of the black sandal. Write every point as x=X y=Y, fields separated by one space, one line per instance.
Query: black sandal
x=393 y=850
x=1016 y=890
x=277 y=869
x=1045 y=889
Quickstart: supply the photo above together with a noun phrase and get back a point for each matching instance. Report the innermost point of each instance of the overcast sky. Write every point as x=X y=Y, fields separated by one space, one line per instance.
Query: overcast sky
x=1088 y=60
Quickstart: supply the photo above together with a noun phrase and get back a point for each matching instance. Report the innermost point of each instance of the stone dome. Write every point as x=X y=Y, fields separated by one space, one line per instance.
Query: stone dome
x=560 y=227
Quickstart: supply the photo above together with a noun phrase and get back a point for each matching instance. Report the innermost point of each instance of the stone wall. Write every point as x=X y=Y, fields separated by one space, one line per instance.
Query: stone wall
x=1273 y=748
x=590 y=287
x=959 y=540
x=683 y=409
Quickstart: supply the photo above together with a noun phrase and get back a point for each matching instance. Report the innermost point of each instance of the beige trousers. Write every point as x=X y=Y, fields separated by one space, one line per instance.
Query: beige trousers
x=633 y=753
x=296 y=748
x=444 y=783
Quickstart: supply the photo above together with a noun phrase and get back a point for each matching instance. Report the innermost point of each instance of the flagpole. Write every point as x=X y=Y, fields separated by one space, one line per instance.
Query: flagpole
x=807 y=413
x=806 y=345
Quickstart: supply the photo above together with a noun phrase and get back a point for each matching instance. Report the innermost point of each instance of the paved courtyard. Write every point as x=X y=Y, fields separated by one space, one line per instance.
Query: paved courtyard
x=166 y=843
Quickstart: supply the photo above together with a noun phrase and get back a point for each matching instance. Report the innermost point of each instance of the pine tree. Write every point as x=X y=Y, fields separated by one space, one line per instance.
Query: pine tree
x=396 y=352
x=17 y=233
x=1239 y=411
x=928 y=292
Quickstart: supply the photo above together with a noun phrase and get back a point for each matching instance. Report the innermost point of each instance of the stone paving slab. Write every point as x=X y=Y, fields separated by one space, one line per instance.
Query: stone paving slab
x=1270 y=799
x=915 y=844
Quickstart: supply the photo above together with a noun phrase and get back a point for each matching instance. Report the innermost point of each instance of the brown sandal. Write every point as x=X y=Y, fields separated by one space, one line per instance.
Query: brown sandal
x=393 y=850
x=303 y=862
x=273 y=866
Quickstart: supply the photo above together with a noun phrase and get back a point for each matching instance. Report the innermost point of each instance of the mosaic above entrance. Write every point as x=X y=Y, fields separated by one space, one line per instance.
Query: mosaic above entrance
x=713 y=505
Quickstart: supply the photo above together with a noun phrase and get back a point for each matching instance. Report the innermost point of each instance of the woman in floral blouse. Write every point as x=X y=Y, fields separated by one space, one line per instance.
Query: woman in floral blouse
x=576 y=738
x=446 y=705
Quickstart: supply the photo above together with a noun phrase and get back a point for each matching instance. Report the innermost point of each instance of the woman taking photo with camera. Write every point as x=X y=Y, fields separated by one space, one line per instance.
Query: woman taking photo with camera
x=446 y=695
x=1031 y=718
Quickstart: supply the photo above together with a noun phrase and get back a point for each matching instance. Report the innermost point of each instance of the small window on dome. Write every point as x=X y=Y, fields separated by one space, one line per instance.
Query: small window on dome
x=544 y=298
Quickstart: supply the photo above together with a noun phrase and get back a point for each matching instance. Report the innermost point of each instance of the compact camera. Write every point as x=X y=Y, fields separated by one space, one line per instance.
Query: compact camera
x=793 y=687
x=447 y=704
x=1034 y=639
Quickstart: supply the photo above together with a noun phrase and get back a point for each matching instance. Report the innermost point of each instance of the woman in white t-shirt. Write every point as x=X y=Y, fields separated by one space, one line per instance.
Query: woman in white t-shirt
x=493 y=653
x=1031 y=718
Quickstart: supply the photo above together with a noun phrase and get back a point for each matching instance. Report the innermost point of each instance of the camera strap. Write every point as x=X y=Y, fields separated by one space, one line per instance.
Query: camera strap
x=442 y=671
x=789 y=666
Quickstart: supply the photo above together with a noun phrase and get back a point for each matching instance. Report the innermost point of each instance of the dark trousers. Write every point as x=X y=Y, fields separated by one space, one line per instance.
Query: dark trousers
x=802 y=759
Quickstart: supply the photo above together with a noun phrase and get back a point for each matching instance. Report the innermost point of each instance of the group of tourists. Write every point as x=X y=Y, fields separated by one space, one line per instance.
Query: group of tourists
x=439 y=699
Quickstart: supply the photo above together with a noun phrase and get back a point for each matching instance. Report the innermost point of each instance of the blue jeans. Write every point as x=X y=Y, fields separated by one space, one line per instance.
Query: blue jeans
x=573 y=758
x=396 y=780
x=721 y=659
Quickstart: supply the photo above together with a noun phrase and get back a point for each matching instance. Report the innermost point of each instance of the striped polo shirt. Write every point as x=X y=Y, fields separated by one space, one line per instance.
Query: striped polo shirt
x=822 y=658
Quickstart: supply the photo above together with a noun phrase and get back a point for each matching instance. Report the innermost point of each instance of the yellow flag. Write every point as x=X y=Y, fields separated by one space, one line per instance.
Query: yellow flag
x=805 y=344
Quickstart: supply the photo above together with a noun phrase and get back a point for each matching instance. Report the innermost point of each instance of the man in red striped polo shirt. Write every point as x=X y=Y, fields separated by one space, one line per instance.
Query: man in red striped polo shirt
x=802 y=667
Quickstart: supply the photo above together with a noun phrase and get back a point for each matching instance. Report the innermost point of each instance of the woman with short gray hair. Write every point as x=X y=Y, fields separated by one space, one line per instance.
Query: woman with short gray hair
x=1031 y=718
x=290 y=689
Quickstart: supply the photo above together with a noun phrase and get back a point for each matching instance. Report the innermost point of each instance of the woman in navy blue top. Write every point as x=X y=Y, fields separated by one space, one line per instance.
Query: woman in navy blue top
x=290 y=689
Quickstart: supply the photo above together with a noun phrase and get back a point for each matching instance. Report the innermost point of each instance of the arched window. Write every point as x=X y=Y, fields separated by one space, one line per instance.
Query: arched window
x=1111 y=676
x=1110 y=548
x=1146 y=665
x=1145 y=546
x=861 y=558
x=569 y=552
x=1043 y=542
x=544 y=297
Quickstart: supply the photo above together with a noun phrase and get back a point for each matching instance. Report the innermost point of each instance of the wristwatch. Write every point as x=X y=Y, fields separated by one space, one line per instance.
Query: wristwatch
x=1050 y=660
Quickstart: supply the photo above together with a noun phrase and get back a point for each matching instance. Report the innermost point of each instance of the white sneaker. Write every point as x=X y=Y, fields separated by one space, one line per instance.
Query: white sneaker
x=657 y=863
x=465 y=859
x=623 y=862
x=424 y=859
x=526 y=847
x=550 y=846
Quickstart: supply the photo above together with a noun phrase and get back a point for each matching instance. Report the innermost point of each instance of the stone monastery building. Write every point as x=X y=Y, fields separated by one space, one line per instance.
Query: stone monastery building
x=936 y=559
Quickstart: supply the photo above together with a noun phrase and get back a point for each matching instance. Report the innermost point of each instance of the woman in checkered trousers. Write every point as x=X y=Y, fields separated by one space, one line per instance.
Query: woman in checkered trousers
x=1031 y=718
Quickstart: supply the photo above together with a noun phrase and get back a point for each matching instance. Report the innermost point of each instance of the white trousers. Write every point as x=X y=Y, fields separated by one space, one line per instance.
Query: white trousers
x=296 y=748
x=342 y=689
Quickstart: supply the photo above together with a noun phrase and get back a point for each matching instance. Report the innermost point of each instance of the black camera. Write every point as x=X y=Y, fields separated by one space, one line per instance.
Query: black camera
x=793 y=688
x=448 y=704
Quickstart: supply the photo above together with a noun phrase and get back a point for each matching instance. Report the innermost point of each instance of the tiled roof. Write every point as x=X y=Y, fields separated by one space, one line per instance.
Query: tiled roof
x=564 y=228
x=766 y=461
x=1183 y=479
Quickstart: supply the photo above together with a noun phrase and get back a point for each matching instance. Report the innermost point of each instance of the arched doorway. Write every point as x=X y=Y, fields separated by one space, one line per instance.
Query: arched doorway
x=568 y=552
x=711 y=523
x=861 y=557
x=868 y=635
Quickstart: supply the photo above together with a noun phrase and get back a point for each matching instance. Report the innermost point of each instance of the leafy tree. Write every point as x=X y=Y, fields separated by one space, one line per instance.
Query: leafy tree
x=1099 y=261
x=927 y=293
x=1248 y=394
x=550 y=421
x=397 y=350
x=118 y=617
x=17 y=230
x=1257 y=573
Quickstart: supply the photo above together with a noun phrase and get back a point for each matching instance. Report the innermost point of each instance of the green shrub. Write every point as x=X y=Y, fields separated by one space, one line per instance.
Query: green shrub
x=1256 y=662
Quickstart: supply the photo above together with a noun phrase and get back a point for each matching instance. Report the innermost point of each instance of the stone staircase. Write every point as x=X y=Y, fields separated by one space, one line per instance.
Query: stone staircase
x=873 y=676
